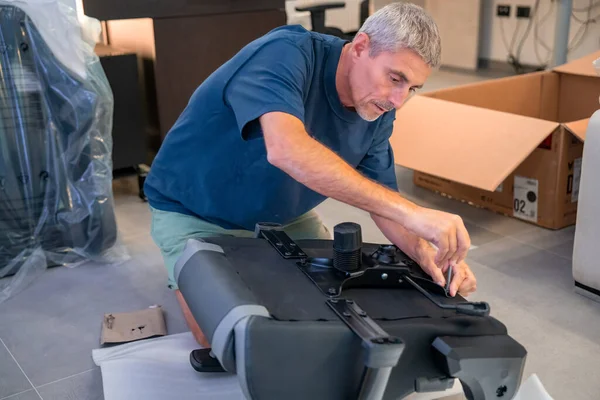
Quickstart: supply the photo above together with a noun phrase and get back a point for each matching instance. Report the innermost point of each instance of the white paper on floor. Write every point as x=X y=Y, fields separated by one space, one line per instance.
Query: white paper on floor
x=532 y=389
x=159 y=369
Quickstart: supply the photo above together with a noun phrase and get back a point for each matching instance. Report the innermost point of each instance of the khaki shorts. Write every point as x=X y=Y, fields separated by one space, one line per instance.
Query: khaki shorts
x=171 y=230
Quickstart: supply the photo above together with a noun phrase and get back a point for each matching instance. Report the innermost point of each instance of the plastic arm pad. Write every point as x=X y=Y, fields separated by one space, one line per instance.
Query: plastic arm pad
x=488 y=367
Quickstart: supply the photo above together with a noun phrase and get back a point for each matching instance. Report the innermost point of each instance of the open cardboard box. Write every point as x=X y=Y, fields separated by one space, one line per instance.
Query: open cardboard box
x=512 y=145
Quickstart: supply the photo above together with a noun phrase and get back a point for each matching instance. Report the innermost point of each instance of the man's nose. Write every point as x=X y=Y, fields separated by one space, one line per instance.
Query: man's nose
x=399 y=96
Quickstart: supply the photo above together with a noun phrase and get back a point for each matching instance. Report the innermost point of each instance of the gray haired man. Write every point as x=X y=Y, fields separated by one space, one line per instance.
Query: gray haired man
x=292 y=119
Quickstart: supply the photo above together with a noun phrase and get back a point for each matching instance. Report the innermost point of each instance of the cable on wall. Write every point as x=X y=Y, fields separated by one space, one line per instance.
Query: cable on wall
x=535 y=22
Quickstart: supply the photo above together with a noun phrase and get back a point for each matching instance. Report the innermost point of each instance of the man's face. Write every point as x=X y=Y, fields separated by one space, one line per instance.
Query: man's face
x=382 y=83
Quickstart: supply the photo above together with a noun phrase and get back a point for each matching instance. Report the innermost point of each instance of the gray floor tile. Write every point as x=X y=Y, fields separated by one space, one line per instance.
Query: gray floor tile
x=480 y=236
x=56 y=321
x=538 y=282
x=12 y=379
x=85 y=386
x=28 y=395
x=133 y=217
x=557 y=327
x=332 y=212
x=559 y=242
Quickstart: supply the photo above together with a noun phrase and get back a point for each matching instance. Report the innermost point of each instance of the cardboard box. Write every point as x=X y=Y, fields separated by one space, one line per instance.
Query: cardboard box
x=511 y=145
x=131 y=326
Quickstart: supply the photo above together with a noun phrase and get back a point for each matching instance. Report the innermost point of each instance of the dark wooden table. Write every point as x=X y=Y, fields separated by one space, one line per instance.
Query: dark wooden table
x=181 y=42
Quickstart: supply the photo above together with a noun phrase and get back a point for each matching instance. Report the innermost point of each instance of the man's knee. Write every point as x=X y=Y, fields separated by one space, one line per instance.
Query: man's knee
x=170 y=231
x=307 y=226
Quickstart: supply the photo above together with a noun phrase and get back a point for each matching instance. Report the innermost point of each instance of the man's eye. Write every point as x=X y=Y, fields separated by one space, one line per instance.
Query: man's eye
x=394 y=79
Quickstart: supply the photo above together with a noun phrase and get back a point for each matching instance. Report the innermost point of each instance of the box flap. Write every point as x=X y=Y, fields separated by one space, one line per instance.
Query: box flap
x=578 y=128
x=519 y=94
x=582 y=66
x=466 y=144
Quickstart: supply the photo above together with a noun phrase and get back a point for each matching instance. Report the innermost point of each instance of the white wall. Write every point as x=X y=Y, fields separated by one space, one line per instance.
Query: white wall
x=492 y=46
x=459 y=25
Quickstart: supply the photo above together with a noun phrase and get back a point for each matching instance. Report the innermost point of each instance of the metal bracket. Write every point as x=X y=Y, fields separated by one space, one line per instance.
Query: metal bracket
x=481 y=308
x=280 y=240
x=383 y=351
x=384 y=268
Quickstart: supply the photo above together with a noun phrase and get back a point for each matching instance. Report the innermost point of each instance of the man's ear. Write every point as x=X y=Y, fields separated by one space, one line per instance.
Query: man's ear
x=361 y=45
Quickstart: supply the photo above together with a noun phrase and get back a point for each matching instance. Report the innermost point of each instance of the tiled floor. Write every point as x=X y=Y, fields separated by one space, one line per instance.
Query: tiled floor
x=48 y=330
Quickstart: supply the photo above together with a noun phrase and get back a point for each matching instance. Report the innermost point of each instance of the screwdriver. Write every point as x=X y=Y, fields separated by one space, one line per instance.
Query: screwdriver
x=448 y=279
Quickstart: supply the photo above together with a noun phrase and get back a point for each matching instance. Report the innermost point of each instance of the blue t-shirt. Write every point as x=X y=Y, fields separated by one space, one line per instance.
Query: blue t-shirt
x=213 y=162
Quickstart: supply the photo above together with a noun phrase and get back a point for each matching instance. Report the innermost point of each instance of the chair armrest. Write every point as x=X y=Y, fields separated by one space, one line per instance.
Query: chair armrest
x=321 y=6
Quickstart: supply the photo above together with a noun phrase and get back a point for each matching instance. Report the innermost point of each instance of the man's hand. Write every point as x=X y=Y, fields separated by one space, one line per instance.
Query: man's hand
x=420 y=250
x=446 y=231
x=462 y=282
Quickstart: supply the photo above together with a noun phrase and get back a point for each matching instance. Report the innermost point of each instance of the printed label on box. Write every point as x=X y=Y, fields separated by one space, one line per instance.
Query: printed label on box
x=525 y=199
x=576 y=179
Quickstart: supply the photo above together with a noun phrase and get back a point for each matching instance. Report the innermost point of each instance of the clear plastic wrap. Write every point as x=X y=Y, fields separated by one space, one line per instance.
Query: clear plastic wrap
x=56 y=108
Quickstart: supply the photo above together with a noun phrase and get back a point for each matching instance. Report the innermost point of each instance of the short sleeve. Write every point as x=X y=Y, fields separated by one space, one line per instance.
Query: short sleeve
x=378 y=164
x=272 y=79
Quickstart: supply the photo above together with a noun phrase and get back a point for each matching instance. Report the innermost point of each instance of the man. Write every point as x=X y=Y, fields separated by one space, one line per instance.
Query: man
x=294 y=118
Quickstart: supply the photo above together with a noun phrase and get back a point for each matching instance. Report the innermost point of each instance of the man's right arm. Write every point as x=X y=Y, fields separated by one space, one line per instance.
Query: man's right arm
x=291 y=149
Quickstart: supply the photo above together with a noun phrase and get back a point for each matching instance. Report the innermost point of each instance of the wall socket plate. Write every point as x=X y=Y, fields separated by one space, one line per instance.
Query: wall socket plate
x=523 y=11
x=503 y=10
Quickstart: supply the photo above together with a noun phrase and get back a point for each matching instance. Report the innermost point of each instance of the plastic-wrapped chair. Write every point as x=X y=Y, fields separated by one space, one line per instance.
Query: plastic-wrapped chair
x=55 y=141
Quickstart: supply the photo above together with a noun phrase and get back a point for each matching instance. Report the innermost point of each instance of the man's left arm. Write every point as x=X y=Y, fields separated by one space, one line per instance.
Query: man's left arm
x=379 y=165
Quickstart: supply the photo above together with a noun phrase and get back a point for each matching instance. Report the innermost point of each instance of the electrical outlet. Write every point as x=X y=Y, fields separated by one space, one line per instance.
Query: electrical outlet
x=523 y=11
x=503 y=10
